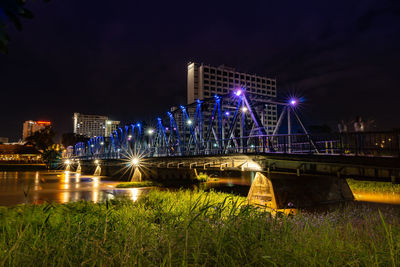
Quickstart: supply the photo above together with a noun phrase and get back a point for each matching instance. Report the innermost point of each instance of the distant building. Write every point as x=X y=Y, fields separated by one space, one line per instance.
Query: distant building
x=204 y=81
x=19 y=153
x=30 y=127
x=3 y=140
x=93 y=125
x=111 y=126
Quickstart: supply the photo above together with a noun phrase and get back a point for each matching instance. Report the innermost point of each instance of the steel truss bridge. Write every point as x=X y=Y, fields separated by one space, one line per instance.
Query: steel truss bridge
x=225 y=125
x=215 y=126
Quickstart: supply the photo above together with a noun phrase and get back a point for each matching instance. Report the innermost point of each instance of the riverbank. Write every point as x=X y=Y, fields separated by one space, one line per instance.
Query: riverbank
x=195 y=228
x=22 y=166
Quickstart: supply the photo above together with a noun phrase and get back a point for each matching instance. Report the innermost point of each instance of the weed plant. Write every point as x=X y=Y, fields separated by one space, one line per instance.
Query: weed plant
x=186 y=227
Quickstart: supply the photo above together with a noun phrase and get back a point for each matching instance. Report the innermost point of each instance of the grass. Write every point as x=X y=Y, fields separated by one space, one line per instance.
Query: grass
x=202 y=177
x=372 y=186
x=137 y=184
x=198 y=229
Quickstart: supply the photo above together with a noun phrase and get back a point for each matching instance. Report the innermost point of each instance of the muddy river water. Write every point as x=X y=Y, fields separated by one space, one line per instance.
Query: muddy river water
x=63 y=187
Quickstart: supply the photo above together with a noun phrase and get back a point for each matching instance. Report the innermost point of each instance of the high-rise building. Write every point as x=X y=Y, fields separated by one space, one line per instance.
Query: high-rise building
x=93 y=125
x=111 y=126
x=30 y=127
x=204 y=81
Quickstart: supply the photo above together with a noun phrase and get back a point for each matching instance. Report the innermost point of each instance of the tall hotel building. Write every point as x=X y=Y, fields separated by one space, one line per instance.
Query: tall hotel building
x=204 y=81
x=94 y=125
x=30 y=127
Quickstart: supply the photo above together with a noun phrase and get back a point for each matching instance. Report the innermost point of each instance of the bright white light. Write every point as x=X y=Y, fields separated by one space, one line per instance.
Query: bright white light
x=96 y=162
x=91 y=145
x=293 y=102
x=238 y=92
x=227 y=113
x=67 y=162
x=102 y=143
x=189 y=122
x=109 y=122
x=244 y=109
x=135 y=161
x=150 y=131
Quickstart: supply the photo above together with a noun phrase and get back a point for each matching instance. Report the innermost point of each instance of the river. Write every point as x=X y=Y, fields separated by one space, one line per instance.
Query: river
x=62 y=187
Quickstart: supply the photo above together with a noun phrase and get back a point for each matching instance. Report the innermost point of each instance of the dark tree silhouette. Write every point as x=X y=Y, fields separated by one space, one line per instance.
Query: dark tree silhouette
x=43 y=139
x=70 y=139
x=11 y=12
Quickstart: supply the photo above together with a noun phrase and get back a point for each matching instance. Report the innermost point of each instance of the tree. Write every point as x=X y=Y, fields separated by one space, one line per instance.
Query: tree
x=70 y=139
x=11 y=11
x=43 y=139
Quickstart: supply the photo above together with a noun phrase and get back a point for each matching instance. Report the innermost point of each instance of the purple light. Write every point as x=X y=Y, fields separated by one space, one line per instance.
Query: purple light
x=238 y=92
x=227 y=113
x=293 y=102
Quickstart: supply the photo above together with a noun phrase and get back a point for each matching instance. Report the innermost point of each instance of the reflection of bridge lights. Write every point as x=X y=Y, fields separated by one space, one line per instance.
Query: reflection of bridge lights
x=95 y=182
x=244 y=109
x=189 y=122
x=134 y=192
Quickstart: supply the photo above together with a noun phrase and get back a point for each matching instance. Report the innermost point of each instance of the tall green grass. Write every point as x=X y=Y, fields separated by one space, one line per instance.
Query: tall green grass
x=198 y=229
x=373 y=186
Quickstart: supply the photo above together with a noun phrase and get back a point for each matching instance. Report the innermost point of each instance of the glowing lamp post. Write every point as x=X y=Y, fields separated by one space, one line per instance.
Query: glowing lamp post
x=135 y=162
x=150 y=132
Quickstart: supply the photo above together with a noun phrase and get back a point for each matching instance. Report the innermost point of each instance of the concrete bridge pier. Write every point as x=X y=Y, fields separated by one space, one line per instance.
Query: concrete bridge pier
x=289 y=191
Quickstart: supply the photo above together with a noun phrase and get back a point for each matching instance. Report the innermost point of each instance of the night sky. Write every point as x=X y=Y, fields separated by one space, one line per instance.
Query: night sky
x=128 y=59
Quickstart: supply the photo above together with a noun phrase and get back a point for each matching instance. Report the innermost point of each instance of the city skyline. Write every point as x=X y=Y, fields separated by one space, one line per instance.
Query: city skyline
x=344 y=65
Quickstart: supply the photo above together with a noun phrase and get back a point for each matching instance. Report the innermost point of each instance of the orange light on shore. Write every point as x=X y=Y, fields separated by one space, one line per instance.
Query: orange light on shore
x=44 y=122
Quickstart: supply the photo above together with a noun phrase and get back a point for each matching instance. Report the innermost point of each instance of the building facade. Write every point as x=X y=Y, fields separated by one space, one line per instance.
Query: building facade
x=204 y=81
x=30 y=127
x=93 y=125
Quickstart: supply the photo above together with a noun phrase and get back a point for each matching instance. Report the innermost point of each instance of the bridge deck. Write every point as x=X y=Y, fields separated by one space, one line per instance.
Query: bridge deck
x=387 y=168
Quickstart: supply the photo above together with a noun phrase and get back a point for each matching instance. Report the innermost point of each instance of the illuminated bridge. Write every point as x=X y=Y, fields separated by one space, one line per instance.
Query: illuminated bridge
x=226 y=133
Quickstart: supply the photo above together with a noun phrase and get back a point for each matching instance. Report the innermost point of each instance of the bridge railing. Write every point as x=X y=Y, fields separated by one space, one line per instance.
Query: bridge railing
x=351 y=144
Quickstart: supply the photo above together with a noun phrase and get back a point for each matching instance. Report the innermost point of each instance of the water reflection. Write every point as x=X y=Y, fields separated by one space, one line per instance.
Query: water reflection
x=63 y=187
x=56 y=186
